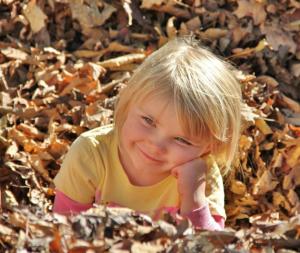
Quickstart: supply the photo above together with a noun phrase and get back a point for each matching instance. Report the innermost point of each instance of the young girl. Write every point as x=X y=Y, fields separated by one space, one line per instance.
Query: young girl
x=180 y=111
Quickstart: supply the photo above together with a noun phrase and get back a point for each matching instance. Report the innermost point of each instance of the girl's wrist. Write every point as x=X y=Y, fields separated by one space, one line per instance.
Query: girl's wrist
x=194 y=190
x=191 y=203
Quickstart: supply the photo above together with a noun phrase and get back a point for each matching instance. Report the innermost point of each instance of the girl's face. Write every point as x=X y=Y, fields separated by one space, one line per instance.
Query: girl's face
x=152 y=141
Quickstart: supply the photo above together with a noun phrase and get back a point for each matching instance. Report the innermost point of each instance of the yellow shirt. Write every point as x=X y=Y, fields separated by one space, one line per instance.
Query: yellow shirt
x=92 y=172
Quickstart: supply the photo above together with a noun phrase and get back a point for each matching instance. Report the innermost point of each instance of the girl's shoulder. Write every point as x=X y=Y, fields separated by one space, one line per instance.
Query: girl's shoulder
x=103 y=135
x=99 y=132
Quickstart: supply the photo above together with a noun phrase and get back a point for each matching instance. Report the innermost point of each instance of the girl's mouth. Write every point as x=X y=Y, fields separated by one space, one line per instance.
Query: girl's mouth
x=149 y=157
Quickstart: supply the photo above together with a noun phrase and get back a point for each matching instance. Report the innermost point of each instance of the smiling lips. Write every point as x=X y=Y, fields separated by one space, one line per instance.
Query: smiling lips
x=149 y=157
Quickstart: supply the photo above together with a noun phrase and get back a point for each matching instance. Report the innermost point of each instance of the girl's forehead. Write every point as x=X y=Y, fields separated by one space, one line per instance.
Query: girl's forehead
x=157 y=104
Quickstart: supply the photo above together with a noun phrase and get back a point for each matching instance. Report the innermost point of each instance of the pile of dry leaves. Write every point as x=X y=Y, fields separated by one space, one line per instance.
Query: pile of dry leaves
x=62 y=63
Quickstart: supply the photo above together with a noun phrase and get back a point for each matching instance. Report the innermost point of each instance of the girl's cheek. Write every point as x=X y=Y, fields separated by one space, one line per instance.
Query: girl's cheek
x=141 y=130
x=182 y=155
x=178 y=154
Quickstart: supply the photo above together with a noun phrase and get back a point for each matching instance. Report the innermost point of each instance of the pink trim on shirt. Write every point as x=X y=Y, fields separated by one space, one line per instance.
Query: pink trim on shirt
x=200 y=218
x=65 y=205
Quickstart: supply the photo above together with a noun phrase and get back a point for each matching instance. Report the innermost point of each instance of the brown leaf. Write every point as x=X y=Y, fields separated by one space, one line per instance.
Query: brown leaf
x=35 y=16
x=277 y=161
x=265 y=183
x=128 y=10
x=168 y=7
x=143 y=247
x=280 y=200
x=263 y=126
x=31 y=131
x=270 y=81
x=246 y=52
x=89 y=53
x=3 y=81
x=15 y=53
x=293 y=197
x=252 y=9
x=293 y=156
x=295 y=69
x=12 y=150
x=113 y=47
x=56 y=244
x=239 y=33
x=9 y=200
x=295 y=129
x=288 y=102
x=38 y=165
x=277 y=37
x=85 y=85
x=57 y=147
x=92 y=70
x=122 y=60
x=213 y=33
x=238 y=187
x=193 y=24
x=7 y=231
x=148 y=4
x=247 y=200
x=23 y=170
x=21 y=139
x=89 y=15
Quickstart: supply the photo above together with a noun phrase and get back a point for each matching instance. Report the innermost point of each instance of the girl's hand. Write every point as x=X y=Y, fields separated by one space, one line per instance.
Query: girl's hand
x=191 y=179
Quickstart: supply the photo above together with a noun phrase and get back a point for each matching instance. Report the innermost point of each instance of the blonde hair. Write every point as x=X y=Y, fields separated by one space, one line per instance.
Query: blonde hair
x=205 y=92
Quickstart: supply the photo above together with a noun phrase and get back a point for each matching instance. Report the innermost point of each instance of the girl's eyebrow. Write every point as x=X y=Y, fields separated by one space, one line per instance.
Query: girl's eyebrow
x=192 y=140
x=146 y=113
x=189 y=139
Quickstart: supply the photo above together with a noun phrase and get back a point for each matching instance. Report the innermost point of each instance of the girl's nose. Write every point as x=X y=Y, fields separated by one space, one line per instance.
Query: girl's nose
x=158 y=145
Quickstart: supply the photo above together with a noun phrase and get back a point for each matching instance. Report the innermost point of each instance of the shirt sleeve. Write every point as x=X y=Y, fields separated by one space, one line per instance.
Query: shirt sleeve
x=215 y=189
x=81 y=172
x=66 y=206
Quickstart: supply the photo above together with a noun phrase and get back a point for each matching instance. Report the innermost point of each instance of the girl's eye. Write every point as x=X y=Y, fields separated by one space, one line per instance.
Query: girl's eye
x=183 y=141
x=148 y=120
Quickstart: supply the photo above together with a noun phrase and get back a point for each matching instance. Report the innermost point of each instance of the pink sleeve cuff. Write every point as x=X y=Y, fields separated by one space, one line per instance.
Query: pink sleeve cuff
x=64 y=205
x=202 y=218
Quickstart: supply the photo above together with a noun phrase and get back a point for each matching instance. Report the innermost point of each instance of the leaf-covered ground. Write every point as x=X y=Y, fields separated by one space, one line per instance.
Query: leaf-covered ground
x=62 y=63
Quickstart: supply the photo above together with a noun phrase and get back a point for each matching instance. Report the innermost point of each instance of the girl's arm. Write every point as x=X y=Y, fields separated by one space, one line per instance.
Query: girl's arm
x=203 y=219
x=200 y=217
x=65 y=205
x=78 y=177
x=191 y=180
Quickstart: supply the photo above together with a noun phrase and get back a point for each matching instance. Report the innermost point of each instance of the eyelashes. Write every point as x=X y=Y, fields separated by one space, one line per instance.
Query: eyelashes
x=183 y=141
x=148 y=120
